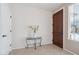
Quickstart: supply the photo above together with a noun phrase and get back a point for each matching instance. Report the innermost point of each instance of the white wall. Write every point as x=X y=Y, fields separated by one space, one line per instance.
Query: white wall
x=0 y=29
x=25 y=16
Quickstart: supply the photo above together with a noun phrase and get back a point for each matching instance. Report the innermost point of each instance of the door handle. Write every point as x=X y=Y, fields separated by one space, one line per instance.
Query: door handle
x=10 y=30
x=4 y=35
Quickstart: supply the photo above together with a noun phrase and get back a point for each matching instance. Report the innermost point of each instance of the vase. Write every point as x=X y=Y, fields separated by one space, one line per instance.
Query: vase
x=34 y=34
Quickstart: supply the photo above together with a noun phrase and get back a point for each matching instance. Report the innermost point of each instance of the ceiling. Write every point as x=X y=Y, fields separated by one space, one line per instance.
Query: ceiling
x=45 y=6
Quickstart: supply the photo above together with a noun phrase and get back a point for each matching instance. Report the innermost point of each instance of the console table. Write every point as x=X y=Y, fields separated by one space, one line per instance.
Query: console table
x=34 y=39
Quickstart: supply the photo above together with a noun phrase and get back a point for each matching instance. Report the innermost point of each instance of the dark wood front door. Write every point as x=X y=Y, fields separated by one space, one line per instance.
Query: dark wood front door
x=58 y=28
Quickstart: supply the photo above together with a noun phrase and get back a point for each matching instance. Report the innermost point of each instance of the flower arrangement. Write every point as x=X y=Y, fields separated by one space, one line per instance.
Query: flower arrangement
x=34 y=29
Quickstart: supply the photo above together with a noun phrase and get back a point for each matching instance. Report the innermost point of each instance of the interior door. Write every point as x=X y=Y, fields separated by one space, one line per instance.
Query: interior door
x=5 y=34
x=58 y=28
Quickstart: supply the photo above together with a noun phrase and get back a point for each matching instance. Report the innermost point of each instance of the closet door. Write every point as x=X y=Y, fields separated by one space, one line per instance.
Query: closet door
x=5 y=29
x=58 y=28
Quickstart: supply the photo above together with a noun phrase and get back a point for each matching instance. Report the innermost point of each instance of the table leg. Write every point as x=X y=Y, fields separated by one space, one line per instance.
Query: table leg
x=26 y=44
x=40 y=42
x=35 y=43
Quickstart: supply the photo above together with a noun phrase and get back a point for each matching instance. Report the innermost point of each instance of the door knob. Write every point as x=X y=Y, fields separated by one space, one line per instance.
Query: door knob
x=4 y=35
x=10 y=30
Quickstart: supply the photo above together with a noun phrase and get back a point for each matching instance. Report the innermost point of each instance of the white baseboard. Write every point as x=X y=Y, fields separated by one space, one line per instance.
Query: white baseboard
x=29 y=46
x=70 y=51
x=17 y=48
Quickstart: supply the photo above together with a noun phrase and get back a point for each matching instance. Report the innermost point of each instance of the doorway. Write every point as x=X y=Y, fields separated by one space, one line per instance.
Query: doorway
x=58 y=28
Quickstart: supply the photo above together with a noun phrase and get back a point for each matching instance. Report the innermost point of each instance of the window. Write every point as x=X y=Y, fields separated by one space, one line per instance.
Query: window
x=73 y=25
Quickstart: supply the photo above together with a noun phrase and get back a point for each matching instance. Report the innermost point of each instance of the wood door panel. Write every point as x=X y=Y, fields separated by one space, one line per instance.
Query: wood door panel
x=57 y=37
x=58 y=44
x=58 y=28
x=56 y=23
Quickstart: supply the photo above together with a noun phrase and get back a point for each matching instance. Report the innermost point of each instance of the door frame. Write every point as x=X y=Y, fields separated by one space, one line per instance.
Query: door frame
x=5 y=29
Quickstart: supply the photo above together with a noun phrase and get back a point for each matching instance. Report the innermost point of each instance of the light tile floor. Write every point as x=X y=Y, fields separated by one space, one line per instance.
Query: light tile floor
x=49 y=49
